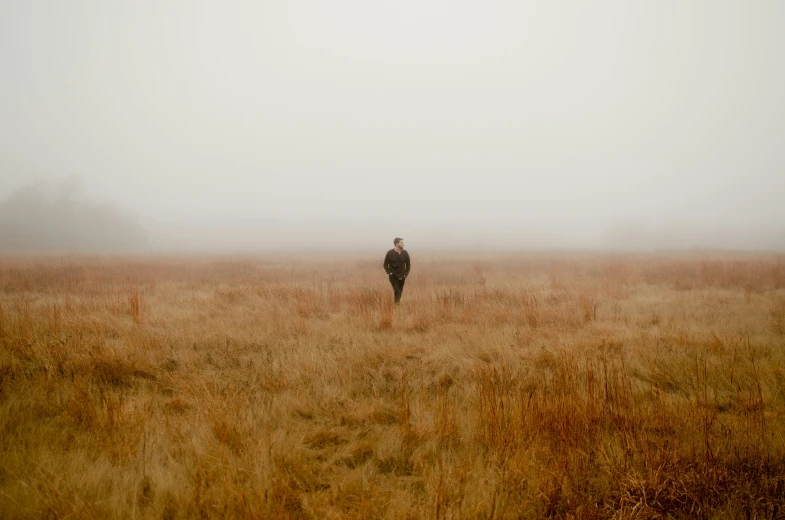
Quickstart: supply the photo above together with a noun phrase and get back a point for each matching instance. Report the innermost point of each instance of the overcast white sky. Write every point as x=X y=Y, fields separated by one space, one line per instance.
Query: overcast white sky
x=522 y=123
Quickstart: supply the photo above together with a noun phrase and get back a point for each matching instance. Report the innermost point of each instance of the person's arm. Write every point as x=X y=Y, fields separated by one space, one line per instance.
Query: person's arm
x=386 y=263
x=408 y=265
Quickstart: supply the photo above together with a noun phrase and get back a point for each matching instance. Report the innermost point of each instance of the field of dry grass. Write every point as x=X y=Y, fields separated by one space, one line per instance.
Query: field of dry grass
x=509 y=386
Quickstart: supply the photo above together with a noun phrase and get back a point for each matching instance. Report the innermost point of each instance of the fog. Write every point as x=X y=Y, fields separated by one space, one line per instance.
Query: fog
x=56 y=219
x=249 y=126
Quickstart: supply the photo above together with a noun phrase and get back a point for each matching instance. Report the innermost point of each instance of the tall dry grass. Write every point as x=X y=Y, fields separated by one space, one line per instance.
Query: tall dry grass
x=508 y=386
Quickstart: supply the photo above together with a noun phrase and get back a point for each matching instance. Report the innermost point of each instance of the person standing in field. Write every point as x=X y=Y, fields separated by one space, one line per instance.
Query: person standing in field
x=397 y=265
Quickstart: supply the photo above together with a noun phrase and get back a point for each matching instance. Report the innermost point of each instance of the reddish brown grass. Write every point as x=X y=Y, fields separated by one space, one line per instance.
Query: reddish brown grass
x=507 y=386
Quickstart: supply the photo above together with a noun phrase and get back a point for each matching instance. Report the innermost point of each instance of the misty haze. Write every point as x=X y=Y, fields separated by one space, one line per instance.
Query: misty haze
x=374 y=259
x=509 y=125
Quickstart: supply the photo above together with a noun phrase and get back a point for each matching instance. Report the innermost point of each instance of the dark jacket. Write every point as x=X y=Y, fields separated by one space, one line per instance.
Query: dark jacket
x=397 y=264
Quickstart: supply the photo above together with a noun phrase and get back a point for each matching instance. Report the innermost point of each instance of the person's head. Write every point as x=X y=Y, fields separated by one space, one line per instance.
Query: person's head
x=398 y=243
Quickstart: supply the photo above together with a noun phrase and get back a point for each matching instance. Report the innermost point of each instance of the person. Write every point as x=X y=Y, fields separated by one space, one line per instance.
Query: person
x=397 y=265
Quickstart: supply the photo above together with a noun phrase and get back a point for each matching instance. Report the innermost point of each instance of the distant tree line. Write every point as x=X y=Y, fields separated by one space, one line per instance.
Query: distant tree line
x=42 y=218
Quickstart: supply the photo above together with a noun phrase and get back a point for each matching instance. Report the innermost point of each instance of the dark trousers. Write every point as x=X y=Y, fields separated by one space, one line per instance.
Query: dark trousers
x=397 y=286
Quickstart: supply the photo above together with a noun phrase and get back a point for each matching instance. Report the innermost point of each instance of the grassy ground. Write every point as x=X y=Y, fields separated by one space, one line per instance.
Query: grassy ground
x=530 y=385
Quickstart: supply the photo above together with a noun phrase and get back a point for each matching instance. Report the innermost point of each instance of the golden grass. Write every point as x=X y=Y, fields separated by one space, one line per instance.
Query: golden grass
x=509 y=386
